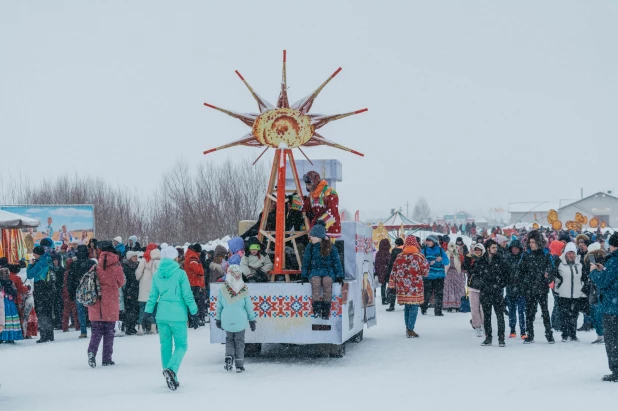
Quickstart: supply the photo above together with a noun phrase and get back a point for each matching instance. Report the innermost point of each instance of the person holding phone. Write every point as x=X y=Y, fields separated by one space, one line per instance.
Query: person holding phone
x=605 y=277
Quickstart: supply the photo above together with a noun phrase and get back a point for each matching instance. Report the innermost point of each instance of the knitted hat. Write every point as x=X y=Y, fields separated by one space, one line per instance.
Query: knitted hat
x=570 y=247
x=318 y=231
x=133 y=238
x=613 y=240
x=255 y=247
x=480 y=247
x=118 y=239
x=594 y=247
x=169 y=252
x=46 y=242
x=220 y=251
x=433 y=238
x=131 y=254
x=38 y=250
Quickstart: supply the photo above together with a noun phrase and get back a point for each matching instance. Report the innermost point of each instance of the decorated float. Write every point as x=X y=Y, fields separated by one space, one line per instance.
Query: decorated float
x=284 y=308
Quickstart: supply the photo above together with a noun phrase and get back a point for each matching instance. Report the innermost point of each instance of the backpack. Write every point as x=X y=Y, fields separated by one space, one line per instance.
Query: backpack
x=89 y=289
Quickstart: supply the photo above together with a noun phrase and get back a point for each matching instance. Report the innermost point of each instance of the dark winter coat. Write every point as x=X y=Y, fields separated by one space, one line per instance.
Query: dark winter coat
x=396 y=251
x=77 y=270
x=493 y=275
x=131 y=287
x=514 y=288
x=472 y=266
x=383 y=260
x=534 y=265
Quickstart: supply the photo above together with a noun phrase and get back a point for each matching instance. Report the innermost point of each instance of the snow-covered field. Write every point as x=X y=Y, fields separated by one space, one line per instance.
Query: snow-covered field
x=445 y=369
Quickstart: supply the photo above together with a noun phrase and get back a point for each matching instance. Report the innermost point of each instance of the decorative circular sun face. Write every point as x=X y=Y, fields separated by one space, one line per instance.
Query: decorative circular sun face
x=283 y=125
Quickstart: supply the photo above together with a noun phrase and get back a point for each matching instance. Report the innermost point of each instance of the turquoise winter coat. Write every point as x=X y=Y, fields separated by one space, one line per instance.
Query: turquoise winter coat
x=234 y=313
x=607 y=283
x=171 y=289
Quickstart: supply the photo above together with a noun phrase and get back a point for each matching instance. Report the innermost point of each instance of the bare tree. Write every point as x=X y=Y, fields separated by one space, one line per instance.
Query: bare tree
x=421 y=210
x=187 y=206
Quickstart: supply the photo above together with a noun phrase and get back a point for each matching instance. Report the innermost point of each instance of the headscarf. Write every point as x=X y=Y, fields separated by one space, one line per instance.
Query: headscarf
x=233 y=279
x=410 y=246
x=149 y=248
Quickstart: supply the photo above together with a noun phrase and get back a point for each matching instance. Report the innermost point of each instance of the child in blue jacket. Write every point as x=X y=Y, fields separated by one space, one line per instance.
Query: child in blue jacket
x=234 y=314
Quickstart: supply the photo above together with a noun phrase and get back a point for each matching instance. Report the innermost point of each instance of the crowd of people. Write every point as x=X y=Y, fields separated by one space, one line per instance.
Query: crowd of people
x=510 y=276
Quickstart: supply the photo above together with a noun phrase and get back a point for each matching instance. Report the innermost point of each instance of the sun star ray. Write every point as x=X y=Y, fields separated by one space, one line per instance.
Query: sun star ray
x=263 y=105
x=248 y=119
x=282 y=101
x=319 y=121
x=304 y=105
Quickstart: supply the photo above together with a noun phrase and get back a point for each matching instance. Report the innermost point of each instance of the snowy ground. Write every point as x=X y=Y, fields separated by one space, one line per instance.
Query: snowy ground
x=446 y=368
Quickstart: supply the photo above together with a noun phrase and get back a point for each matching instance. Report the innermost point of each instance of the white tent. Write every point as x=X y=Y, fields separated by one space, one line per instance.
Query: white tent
x=10 y=220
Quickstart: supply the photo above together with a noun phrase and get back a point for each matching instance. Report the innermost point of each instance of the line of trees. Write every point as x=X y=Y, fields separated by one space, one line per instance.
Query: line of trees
x=192 y=205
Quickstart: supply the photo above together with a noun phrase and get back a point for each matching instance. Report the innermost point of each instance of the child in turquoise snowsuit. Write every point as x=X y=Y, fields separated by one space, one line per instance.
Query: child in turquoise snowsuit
x=172 y=294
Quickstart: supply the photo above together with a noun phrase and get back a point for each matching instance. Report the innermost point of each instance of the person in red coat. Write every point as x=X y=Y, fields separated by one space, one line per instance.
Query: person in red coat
x=195 y=272
x=407 y=278
x=105 y=312
x=322 y=204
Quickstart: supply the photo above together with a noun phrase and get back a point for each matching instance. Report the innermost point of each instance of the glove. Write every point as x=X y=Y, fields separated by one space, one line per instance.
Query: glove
x=252 y=325
x=147 y=320
x=195 y=321
x=218 y=322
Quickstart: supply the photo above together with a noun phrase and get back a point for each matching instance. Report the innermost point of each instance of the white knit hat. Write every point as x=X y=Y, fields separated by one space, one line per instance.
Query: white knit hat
x=118 y=239
x=169 y=252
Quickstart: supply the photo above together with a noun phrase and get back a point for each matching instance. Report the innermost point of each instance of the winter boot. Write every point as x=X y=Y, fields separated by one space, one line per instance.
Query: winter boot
x=240 y=369
x=501 y=341
x=153 y=329
x=118 y=330
x=513 y=334
x=412 y=334
x=229 y=363
x=565 y=339
x=326 y=310
x=529 y=340
x=487 y=342
x=390 y=309
x=108 y=363
x=170 y=379
x=574 y=339
x=82 y=336
x=92 y=360
x=611 y=377
x=585 y=327
x=140 y=330
x=550 y=339
x=479 y=332
x=317 y=309
x=600 y=340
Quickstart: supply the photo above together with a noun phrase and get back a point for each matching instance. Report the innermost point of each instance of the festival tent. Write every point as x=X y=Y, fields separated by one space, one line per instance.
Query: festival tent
x=10 y=220
x=397 y=221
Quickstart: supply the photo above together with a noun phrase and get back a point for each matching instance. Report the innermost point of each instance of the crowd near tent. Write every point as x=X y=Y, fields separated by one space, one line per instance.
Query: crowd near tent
x=11 y=224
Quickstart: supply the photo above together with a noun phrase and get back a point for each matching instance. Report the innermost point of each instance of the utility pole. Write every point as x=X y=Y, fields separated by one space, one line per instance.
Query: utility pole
x=408 y=209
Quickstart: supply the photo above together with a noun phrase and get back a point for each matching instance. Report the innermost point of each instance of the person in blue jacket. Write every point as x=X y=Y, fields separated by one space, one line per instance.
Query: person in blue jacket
x=434 y=282
x=39 y=271
x=321 y=267
x=605 y=277
x=234 y=314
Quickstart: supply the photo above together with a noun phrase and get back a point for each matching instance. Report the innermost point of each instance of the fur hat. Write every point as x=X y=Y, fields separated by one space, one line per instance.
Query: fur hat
x=318 y=231
x=196 y=247
x=537 y=237
x=220 y=251
x=584 y=238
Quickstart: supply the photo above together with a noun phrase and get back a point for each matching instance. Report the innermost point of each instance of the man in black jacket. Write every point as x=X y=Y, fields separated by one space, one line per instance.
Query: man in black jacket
x=535 y=274
x=494 y=273
x=78 y=269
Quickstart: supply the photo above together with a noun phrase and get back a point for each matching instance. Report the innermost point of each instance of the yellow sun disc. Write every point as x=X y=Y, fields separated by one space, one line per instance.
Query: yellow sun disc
x=283 y=125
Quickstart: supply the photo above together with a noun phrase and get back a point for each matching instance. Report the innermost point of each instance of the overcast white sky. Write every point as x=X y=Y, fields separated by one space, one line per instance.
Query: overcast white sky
x=472 y=104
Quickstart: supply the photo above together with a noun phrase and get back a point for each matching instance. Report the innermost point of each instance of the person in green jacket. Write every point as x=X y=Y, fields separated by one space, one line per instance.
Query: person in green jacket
x=172 y=294
x=234 y=314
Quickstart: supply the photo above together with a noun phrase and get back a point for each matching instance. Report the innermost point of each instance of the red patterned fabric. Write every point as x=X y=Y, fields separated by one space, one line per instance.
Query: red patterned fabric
x=323 y=203
x=407 y=277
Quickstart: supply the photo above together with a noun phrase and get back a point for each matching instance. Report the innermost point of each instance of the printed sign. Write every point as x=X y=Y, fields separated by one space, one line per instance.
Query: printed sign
x=64 y=224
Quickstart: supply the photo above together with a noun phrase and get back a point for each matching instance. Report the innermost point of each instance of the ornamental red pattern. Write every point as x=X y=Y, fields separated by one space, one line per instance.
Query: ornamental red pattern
x=287 y=306
x=407 y=278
